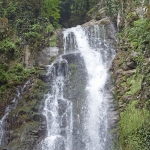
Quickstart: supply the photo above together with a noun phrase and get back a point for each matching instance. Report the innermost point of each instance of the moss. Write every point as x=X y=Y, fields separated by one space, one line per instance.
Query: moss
x=32 y=37
x=92 y=10
x=104 y=21
x=7 y=45
x=132 y=120
x=73 y=69
x=101 y=13
x=52 y=59
x=136 y=82
x=53 y=41
x=50 y=29
x=27 y=118
x=27 y=139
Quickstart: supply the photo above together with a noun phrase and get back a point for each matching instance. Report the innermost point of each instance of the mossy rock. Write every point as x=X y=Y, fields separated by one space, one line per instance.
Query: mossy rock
x=25 y=119
x=132 y=122
x=29 y=134
x=101 y=14
x=136 y=83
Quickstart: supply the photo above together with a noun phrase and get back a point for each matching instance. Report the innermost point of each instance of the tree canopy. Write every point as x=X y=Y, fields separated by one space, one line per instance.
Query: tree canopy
x=50 y=10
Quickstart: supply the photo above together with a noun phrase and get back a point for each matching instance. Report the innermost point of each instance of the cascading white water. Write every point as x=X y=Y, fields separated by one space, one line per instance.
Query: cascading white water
x=97 y=57
x=59 y=120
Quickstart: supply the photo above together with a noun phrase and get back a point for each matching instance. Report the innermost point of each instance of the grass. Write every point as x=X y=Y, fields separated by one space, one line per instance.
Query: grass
x=135 y=82
x=132 y=122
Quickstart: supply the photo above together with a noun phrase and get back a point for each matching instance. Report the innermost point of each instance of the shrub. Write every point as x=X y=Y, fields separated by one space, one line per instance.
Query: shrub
x=7 y=45
x=32 y=37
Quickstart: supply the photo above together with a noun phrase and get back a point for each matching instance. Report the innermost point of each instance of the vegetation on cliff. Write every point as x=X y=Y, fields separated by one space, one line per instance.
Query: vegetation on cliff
x=73 y=12
x=31 y=23
x=131 y=74
x=23 y=23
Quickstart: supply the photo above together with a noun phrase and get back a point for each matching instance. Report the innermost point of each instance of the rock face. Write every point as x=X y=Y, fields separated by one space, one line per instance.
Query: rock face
x=98 y=12
x=28 y=57
x=75 y=91
x=47 y=55
x=24 y=125
x=3 y=27
x=131 y=76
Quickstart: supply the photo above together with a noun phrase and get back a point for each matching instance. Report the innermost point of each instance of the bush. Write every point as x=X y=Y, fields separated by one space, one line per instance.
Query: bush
x=7 y=45
x=3 y=78
x=32 y=37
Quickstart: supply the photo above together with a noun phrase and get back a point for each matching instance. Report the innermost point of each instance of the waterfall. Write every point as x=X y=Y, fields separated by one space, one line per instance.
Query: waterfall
x=57 y=110
x=9 y=108
x=71 y=125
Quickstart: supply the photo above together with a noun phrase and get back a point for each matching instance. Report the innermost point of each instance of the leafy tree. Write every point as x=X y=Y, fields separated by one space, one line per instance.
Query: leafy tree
x=112 y=6
x=50 y=10
x=65 y=10
x=73 y=11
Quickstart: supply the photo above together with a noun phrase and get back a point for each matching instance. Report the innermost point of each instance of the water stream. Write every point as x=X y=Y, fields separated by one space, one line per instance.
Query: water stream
x=9 y=108
x=97 y=54
x=59 y=120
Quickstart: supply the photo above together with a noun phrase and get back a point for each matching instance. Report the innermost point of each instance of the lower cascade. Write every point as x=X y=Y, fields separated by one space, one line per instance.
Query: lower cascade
x=9 y=108
x=77 y=105
x=59 y=121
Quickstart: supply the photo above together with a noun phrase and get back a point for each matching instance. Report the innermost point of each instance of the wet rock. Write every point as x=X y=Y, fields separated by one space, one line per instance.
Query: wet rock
x=103 y=21
x=120 y=21
x=101 y=14
x=25 y=126
x=62 y=106
x=38 y=117
x=5 y=148
x=131 y=64
x=45 y=55
x=129 y=72
x=60 y=45
x=96 y=12
x=28 y=57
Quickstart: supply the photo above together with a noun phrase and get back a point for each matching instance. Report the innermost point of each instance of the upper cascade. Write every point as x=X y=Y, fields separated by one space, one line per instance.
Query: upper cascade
x=97 y=53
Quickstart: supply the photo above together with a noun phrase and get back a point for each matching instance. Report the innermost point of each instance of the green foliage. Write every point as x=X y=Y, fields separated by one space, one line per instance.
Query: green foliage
x=137 y=37
x=14 y=75
x=32 y=20
x=136 y=83
x=49 y=29
x=24 y=22
x=92 y=3
x=73 y=12
x=112 y=7
x=134 y=33
x=32 y=37
x=73 y=69
x=3 y=76
x=133 y=121
x=53 y=41
x=17 y=74
x=11 y=11
x=50 y=10
x=36 y=27
x=129 y=122
x=7 y=45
